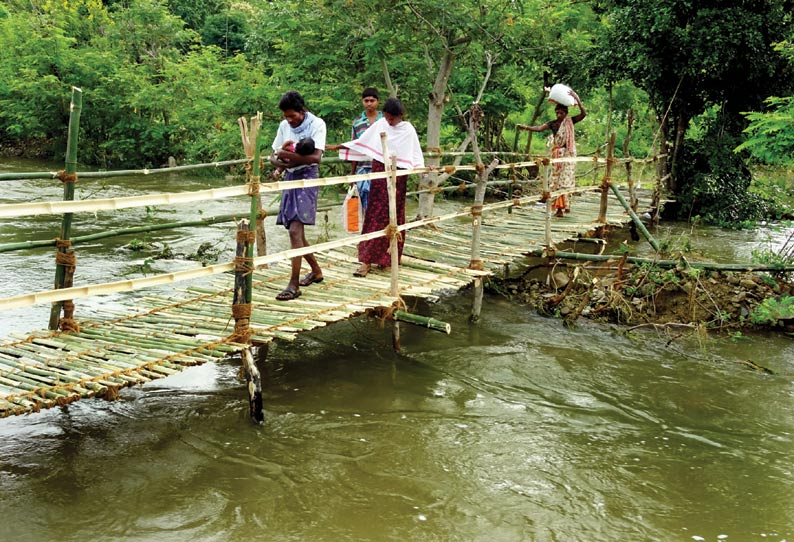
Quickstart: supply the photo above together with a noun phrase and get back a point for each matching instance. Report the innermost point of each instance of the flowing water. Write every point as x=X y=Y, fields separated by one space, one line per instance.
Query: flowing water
x=512 y=429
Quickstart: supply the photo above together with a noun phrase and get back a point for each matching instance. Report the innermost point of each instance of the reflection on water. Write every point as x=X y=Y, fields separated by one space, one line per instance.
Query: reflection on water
x=517 y=429
x=514 y=429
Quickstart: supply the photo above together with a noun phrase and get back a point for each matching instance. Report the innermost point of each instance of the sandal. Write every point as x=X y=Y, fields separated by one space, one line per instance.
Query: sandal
x=311 y=278
x=362 y=270
x=288 y=294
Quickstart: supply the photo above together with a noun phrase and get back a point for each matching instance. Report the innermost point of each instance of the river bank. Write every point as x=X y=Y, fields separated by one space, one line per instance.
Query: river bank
x=649 y=295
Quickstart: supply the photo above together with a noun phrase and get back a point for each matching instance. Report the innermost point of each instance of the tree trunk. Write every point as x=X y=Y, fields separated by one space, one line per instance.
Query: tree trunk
x=434 y=115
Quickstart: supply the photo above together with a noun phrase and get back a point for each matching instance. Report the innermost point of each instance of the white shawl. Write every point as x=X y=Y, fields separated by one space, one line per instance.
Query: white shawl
x=400 y=140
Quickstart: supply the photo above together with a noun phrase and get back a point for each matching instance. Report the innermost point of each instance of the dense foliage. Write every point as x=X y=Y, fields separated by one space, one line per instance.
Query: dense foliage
x=170 y=77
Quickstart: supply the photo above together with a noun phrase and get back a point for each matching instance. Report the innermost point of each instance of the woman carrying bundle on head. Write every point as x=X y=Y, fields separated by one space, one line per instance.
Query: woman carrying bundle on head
x=562 y=144
x=401 y=140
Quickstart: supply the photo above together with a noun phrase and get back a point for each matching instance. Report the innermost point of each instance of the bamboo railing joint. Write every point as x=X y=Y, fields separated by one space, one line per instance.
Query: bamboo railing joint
x=67 y=177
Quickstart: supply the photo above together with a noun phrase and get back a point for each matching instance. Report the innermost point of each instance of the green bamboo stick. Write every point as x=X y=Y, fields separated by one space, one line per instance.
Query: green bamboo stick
x=666 y=263
x=637 y=222
x=120 y=231
x=118 y=173
x=424 y=321
x=68 y=194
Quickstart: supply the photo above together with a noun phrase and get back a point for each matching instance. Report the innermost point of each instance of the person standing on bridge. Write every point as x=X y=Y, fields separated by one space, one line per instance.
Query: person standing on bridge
x=401 y=140
x=562 y=144
x=370 y=101
x=298 y=205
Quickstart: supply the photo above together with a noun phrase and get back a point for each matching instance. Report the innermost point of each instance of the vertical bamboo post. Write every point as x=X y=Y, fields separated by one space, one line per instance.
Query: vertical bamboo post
x=256 y=204
x=602 y=211
x=394 y=247
x=253 y=175
x=547 y=165
x=475 y=117
x=633 y=201
x=241 y=311
x=64 y=256
x=391 y=190
x=656 y=199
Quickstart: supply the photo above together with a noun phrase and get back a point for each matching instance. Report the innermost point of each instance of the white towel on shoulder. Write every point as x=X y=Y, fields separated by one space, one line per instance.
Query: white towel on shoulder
x=401 y=140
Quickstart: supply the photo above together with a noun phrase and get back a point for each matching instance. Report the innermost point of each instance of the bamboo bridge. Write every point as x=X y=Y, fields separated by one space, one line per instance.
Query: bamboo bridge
x=234 y=307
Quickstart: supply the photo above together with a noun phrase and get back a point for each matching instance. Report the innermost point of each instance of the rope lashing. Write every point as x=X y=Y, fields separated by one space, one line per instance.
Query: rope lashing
x=545 y=196
x=243 y=265
x=477 y=265
x=393 y=233
x=606 y=181
x=68 y=324
x=246 y=236
x=516 y=202
x=67 y=260
x=261 y=213
x=242 y=318
x=436 y=150
x=253 y=188
x=431 y=189
x=67 y=177
x=62 y=243
x=462 y=187
x=545 y=161
x=476 y=210
x=449 y=170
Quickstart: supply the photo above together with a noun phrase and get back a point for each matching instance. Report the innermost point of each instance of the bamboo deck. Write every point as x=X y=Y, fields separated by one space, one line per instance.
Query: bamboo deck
x=165 y=334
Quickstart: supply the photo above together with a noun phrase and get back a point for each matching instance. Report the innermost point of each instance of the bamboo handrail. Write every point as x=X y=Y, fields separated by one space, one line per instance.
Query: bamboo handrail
x=12 y=210
x=49 y=175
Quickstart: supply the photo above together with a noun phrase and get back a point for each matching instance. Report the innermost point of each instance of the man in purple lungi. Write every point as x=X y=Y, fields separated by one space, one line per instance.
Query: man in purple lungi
x=298 y=205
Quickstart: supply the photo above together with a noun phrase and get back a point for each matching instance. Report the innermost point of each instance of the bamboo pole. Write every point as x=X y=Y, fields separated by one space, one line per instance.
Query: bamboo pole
x=64 y=273
x=252 y=151
x=424 y=321
x=634 y=217
x=633 y=201
x=547 y=199
x=12 y=210
x=34 y=175
x=242 y=309
x=475 y=117
x=256 y=204
x=667 y=264
x=394 y=288
x=605 y=182
x=120 y=232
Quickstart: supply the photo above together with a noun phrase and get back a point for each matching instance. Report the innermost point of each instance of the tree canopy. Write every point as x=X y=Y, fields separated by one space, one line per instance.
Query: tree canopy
x=170 y=77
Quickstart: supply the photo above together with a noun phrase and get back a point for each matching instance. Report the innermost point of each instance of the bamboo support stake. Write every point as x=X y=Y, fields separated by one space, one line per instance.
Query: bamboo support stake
x=63 y=252
x=634 y=217
x=633 y=200
x=605 y=182
x=241 y=310
x=475 y=117
x=253 y=152
x=391 y=187
x=547 y=165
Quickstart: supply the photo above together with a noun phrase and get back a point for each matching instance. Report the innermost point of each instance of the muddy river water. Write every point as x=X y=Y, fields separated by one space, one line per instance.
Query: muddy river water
x=514 y=429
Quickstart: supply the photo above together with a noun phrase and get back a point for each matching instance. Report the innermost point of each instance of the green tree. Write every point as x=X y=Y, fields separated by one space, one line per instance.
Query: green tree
x=693 y=58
